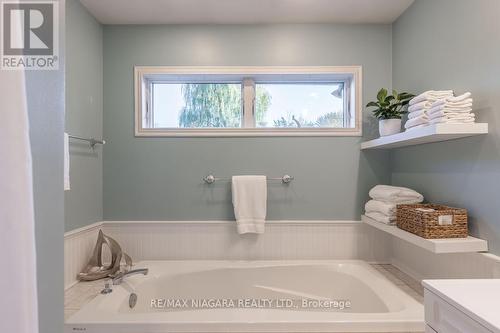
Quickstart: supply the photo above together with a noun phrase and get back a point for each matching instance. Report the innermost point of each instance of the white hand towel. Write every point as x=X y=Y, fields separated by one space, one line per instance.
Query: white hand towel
x=416 y=121
x=381 y=217
x=386 y=208
x=250 y=203
x=395 y=194
x=67 y=186
x=416 y=114
x=431 y=95
x=18 y=304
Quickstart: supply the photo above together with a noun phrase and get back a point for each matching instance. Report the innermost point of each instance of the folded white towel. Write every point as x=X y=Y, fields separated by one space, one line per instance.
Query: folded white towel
x=459 y=98
x=391 y=220
x=452 y=115
x=465 y=103
x=416 y=127
x=416 y=121
x=441 y=103
x=386 y=208
x=441 y=120
x=456 y=101
x=419 y=106
x=67 y=186
x=416 y=114
x=465 y=108
x=395 y=194
x=431 y=95
x=250 y=203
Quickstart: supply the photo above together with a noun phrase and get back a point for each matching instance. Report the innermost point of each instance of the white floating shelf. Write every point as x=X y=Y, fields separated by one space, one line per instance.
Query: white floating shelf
x=428 y=134
x=442 y=245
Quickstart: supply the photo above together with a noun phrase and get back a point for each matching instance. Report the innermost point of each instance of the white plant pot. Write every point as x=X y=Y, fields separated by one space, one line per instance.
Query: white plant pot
x=389 y=126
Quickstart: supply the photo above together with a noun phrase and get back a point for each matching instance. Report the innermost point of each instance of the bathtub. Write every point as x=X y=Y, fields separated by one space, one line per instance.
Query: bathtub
x=252 y=296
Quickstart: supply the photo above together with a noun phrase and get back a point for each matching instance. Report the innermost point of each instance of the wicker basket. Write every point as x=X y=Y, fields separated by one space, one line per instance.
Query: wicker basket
x=443 y=222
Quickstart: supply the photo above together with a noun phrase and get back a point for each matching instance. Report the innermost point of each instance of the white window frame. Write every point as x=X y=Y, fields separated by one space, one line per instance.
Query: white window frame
x=145 y=75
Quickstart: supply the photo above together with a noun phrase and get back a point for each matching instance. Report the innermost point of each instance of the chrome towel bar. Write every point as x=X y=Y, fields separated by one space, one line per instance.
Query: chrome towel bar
x=91 y=141
x=210 y=179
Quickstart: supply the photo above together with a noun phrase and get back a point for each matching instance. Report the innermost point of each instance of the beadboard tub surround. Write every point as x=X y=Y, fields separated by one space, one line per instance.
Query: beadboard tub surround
x=283 y=240
x=218 y=240
x=78 y=247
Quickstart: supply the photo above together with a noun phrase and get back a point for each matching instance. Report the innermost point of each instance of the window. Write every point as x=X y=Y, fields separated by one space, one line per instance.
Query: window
x=247 y=101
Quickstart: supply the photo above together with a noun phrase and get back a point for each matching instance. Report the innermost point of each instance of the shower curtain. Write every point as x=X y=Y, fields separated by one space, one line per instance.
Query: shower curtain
x=18 y=300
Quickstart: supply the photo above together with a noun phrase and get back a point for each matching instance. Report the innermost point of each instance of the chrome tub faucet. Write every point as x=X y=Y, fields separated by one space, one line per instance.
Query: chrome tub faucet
x=118 y=278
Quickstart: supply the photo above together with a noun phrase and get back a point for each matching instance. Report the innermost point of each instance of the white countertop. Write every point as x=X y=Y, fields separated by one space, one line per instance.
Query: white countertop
x=477 y=298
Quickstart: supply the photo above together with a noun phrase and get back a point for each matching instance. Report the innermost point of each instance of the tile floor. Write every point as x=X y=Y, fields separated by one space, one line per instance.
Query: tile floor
x=81 y=293
x=405 y=282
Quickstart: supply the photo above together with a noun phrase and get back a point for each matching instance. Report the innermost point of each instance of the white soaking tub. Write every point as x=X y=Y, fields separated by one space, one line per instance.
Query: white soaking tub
x=252 y=296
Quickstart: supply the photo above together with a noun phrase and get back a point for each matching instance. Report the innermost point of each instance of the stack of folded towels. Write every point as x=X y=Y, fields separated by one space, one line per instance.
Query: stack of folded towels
x=420 y=105
x=382 y=207
x=452 y=110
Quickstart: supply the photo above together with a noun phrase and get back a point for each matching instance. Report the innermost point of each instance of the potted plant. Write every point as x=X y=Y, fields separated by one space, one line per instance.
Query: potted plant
x=389 y=109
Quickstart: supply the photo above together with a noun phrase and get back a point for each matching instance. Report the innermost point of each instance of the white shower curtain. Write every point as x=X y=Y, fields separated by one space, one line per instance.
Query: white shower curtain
x=18 y=299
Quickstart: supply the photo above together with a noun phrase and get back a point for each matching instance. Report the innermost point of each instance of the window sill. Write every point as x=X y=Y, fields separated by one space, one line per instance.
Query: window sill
x=248 y=132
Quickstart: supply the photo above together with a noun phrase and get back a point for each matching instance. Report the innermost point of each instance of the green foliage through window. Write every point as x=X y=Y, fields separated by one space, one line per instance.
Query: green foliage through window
x=211 y=105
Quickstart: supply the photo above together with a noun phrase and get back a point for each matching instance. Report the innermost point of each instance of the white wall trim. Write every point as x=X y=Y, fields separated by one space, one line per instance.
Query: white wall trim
x=78 y=231
x=103 y=224
x=231 y=222
x=490 y=256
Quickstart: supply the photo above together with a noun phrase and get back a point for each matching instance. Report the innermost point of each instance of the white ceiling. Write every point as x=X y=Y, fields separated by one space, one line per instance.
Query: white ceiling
x=245 y=11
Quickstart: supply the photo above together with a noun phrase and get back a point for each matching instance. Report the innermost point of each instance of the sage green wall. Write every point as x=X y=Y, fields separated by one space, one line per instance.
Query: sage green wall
x=45 y=103
x=443 y=44
x=160 y=178
x=83 y=203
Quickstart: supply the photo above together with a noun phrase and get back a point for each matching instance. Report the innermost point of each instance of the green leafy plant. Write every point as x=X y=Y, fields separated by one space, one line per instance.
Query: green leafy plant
x=390 y=106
